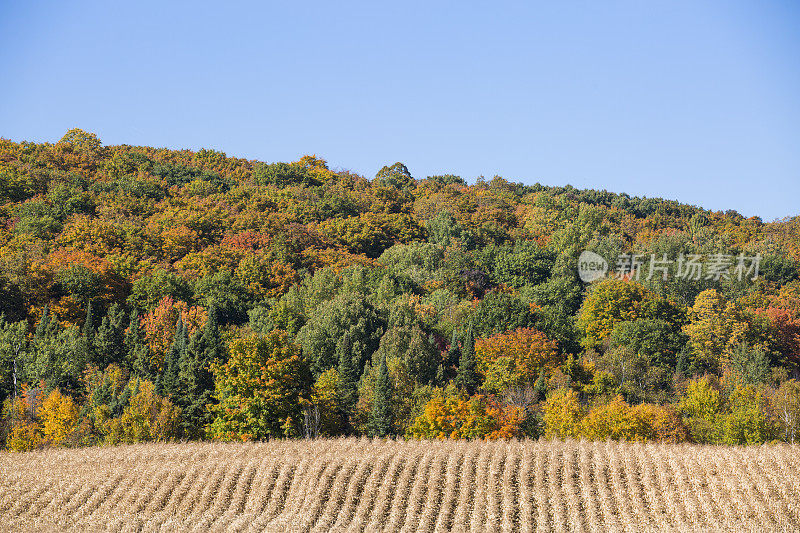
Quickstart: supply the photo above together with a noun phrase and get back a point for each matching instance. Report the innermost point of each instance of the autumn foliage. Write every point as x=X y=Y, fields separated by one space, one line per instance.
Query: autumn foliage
x=515 y=358
x=150 y=294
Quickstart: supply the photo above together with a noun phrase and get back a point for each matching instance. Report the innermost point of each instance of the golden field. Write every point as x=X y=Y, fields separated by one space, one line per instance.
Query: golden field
x=376 y=485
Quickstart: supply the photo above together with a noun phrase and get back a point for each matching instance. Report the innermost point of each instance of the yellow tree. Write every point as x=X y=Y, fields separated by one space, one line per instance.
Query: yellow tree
x=616 y=420
x=147 y=417
x=59 y=418
x=25 y=431
x=717 y=327
x=611 y=302
x=701 y=407
x=262 y=389
x=327 y=410
x=562 y=413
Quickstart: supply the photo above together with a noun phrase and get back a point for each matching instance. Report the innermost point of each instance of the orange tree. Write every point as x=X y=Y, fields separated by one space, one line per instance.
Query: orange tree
x=514 y=358
x=261 y=390
x=783 y=311
x=159 y=327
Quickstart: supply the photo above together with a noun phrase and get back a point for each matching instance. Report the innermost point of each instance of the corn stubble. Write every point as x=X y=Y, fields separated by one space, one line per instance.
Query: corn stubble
x=376 y=485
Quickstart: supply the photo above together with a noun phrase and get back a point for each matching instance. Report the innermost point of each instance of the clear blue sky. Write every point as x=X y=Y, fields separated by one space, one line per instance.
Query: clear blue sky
x=695 y=101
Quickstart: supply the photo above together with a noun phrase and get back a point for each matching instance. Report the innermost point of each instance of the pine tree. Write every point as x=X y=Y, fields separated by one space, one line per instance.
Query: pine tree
x=381 y=420
x=454 y=353
x=540 y=386
x=450 y=370
x=88 y=326
x=138 y=353
x=109 y=342
x=83 y=352
x=167 y=383
x=195 y=378
x=43 y=327
x=467 y=377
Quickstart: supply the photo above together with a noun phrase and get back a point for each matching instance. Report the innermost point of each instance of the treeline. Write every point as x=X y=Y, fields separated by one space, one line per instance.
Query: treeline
x=152 y=294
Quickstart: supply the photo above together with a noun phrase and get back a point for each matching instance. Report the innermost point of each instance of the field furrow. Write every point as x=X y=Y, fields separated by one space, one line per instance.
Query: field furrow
x=413 y=486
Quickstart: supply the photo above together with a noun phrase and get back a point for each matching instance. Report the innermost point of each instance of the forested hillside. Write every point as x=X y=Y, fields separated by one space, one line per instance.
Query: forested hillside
x=153 y=294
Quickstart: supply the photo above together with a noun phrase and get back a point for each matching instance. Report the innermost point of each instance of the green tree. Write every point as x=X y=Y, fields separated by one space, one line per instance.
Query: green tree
x=396 y=176
x=525 y=263
x=412 y=347
x=45 y=325
x=499 y=312
x=168 y=384
x=56 y=357
x=226 y=292
x=751 y=364
x=12 y=301
x=381 y=418
x=195 y=378
x=444 y=230
x=261 y=390
x=149 y=289
x=347 y=377
x=657 y=340
x=109 y=343
x=747 y=421
x=346 y=314
x=138 y=352
x=83 y=283
x=13 y=348
x=84 y=347
x=467 y=377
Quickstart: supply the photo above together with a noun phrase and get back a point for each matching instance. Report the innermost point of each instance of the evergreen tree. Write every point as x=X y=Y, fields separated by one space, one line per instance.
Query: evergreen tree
x=453 y=358
x=454 y=353
x=56 y=358
x=467 y=377
x=138 y=353
x=43 y=327
x=58 y=355
x=88 y=326
x=167 y=383
x=195 y=377
x=381 y=420
x=440 y=374
x=540 y=386
x=109 y=342
x=84 y=348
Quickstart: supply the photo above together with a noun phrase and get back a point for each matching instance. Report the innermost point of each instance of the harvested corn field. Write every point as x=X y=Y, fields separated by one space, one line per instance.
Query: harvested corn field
x=375 y=485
